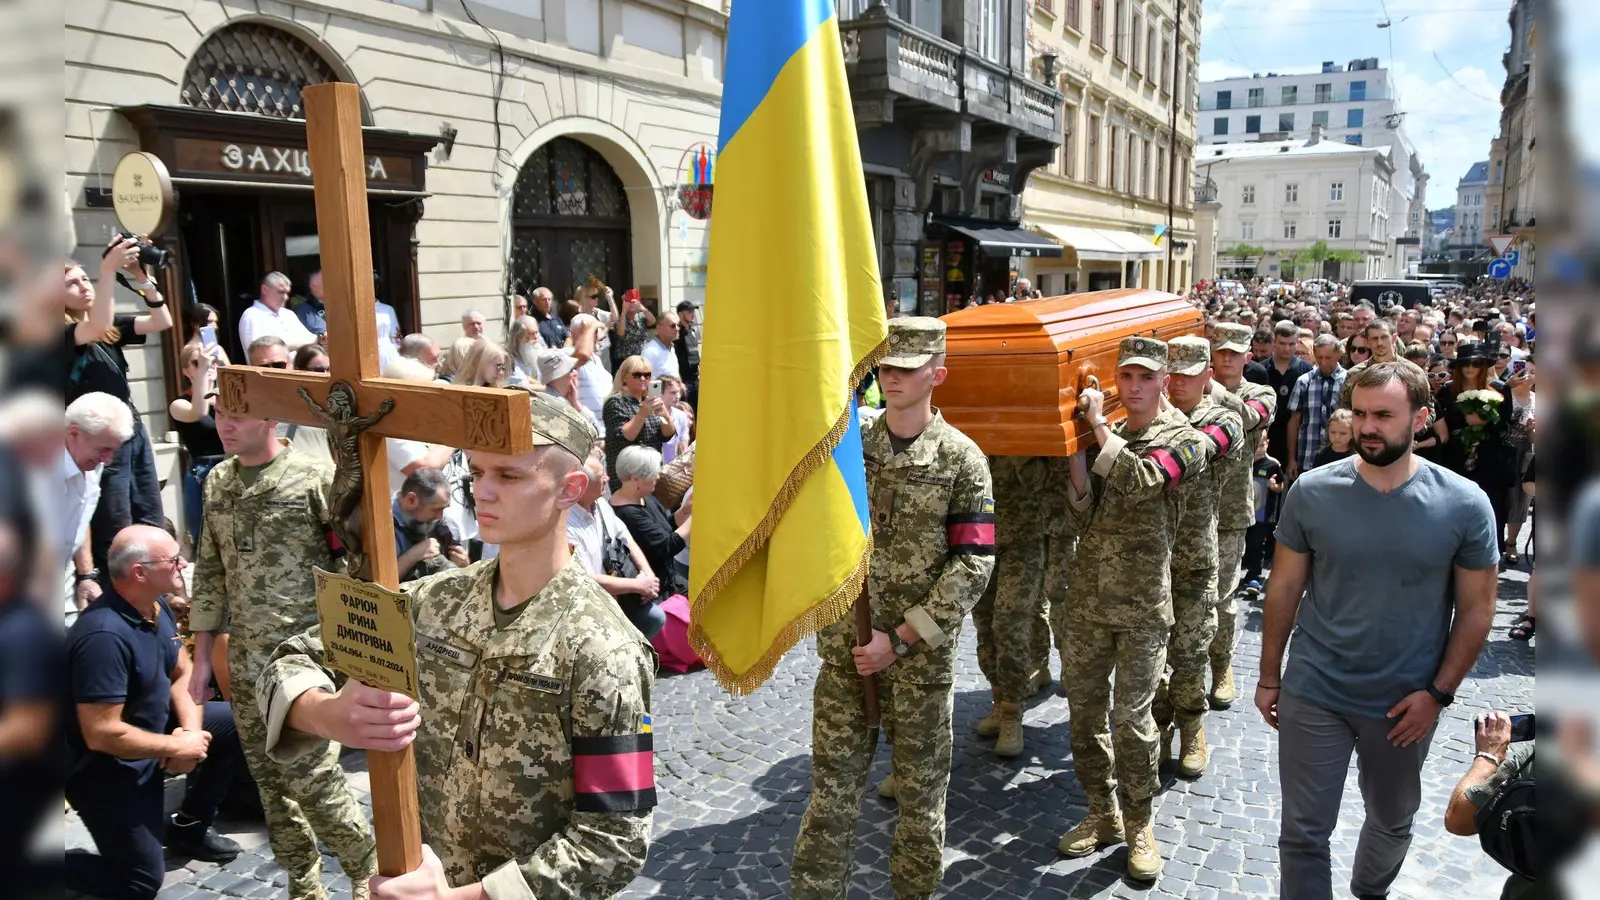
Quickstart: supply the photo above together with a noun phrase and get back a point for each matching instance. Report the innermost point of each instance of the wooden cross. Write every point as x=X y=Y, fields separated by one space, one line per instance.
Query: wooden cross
x=483 y=419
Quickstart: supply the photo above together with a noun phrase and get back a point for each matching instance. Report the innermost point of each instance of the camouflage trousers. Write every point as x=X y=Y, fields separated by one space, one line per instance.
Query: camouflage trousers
x=842 y=748
x=1112 y=682
x=1230 y=550
x=1012 y=619
x=305 y=801
x=1182 y=695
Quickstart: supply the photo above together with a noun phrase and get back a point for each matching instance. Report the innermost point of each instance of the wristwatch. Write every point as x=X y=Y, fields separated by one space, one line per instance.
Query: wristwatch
x=901 y=648
x=91 y=575
x=1442 y=698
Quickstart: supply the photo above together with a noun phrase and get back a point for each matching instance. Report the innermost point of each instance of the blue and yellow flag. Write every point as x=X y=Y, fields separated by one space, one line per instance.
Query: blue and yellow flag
x=794 y=319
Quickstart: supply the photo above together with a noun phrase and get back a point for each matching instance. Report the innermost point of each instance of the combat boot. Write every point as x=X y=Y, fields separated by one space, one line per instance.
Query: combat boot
x=1101 y=828
x=1195 y=755
x=989 y=725
x=1222 y=692
x=1144 y=860
x=887 y=788
x=1009 y=741
x=1039 y=680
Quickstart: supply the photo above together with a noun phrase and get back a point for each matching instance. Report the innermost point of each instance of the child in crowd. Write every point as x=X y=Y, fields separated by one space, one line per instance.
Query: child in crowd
x=1341 y=439
x=1268 y=477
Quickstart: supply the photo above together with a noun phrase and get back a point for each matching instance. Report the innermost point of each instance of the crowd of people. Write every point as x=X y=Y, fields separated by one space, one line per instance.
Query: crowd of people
x=1254 y=446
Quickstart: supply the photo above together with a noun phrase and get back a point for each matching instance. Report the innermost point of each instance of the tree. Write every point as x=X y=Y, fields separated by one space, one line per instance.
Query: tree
x=1245 y=251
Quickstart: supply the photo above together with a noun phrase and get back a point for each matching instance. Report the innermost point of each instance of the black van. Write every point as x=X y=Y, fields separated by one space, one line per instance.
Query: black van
x=1380 y=291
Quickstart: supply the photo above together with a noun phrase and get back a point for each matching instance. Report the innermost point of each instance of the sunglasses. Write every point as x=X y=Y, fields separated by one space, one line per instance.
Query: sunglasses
x=643 y=374
x=275 y=365
x=1355 y=350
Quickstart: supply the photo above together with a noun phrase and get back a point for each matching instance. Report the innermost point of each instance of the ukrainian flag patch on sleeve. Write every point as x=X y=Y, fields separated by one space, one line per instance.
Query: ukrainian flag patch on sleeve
x=988 y=506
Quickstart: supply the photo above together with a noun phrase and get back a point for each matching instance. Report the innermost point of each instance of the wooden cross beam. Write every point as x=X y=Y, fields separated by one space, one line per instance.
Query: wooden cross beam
x=483 y=419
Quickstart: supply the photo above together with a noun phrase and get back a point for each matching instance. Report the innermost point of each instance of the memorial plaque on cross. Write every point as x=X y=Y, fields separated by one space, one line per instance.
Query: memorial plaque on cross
x=360 y=409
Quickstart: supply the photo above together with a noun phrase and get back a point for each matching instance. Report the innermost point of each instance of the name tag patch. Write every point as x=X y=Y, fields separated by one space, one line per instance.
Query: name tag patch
x=542 y=683
x=450 y=653
x=285 y=504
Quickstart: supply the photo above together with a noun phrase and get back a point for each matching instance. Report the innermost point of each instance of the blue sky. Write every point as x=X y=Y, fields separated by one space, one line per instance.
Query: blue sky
x=1443 y=55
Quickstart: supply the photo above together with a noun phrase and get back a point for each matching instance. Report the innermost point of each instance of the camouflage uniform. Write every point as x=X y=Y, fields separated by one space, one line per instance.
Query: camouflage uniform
x=1120 y=608
x=253 y=569
x=1061 y=549
x=535 y=769
x=1011 y=636
x=933 y=551
x=1255 y=405
x=1194 y=549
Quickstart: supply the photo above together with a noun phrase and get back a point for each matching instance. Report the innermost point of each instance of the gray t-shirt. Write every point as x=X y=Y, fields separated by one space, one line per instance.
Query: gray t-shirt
x=1381 y=591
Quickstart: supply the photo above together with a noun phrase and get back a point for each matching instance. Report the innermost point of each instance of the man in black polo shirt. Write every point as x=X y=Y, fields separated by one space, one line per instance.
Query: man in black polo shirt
x=1283 y=370
x=551 y=328
x=129 y=680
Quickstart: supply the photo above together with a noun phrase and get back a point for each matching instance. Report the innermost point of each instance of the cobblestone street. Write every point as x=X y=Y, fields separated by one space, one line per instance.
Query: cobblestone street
x=733 y=777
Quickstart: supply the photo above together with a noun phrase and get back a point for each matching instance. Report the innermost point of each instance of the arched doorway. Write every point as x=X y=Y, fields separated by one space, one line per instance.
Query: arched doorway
x=569 y=222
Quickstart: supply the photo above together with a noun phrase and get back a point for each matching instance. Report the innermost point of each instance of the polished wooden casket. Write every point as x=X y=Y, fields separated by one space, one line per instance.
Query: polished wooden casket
x=1016 y=368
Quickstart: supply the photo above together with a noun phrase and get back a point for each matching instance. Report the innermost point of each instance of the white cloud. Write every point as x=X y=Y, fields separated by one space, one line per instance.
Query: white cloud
x=1451 y=120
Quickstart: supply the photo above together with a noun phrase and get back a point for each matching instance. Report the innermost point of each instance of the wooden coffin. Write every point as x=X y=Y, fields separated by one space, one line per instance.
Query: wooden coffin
x=1016 y=368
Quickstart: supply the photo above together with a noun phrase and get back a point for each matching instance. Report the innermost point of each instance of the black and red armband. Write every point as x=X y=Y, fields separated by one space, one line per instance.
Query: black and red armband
x=615 y=773
x=972 y=533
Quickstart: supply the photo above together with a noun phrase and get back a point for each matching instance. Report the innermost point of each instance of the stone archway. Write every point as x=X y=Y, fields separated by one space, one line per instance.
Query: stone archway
x=627 y=162
x=259 y=66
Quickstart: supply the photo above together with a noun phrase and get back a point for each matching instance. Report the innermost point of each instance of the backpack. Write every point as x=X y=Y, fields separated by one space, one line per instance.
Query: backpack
x=1507 y=830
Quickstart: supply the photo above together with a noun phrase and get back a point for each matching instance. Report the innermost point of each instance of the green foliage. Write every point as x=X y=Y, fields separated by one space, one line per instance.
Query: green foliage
x=1245 y=251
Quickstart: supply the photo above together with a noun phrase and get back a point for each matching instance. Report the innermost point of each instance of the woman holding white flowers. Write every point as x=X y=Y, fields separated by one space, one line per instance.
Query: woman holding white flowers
x=1474 y=427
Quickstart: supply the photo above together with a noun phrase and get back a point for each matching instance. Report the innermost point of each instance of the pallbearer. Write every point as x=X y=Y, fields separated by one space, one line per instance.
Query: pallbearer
x=933 y=551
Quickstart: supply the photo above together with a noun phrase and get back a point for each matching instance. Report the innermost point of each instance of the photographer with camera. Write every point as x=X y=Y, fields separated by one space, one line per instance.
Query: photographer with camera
x=93 y=337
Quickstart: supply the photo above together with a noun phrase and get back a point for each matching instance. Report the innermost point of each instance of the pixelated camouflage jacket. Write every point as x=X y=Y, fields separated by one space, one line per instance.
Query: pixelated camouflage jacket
x=1022 y=487
x=252 y=569
x=932 y=510
x=1255 y=405
x=1194 y=549
x=1121 y=576
x=535 y=766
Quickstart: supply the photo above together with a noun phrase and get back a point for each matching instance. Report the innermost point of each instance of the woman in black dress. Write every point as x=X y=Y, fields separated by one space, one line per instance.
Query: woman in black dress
x=93 y=336
x=1491 y=461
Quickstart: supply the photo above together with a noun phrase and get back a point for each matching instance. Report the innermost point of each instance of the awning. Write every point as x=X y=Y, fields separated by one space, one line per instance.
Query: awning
x=1006 y=240
x=1101 y=244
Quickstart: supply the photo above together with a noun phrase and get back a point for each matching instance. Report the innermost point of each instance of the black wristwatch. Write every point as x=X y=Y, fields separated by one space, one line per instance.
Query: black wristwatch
x=91 y=575
x=1440 y=697
x=901 y=648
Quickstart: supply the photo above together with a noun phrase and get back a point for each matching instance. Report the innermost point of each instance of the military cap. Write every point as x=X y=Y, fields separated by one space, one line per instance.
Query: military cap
x=557 y=422
x=1233 y=337
x=1189 y=355
x=1142 y=351
x=913 y=341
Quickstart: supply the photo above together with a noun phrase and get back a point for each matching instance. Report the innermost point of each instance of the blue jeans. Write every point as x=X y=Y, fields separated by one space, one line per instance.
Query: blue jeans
x=194 y=482
x=130 y=494
x=647 y=616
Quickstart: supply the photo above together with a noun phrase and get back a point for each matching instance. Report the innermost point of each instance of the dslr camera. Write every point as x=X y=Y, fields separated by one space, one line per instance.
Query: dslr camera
x=149 y=254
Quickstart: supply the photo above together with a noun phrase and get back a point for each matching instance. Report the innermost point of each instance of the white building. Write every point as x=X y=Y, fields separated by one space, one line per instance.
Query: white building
x=1354 y=105
x=1472 y=222
x=1286 y=196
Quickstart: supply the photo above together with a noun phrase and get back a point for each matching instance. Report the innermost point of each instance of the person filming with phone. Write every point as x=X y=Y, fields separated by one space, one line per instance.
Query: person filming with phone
x=635 y=414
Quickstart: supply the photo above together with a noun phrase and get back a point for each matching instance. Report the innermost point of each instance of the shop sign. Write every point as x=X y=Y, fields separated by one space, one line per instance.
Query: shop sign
x=696 y=267
x=997 y=178
x=141 y=193
x=234 y=159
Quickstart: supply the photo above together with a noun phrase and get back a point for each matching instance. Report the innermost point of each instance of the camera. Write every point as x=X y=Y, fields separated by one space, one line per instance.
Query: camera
x=149 y=254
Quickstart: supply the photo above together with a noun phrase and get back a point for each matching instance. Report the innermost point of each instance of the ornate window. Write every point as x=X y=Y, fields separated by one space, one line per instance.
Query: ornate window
x=253 y=68
x=567 y=178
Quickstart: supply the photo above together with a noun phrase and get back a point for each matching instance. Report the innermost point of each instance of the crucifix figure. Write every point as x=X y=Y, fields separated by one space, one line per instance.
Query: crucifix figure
x=481 y=419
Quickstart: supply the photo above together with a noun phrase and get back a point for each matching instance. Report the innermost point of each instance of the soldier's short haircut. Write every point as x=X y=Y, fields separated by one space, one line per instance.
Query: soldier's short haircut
x=638 y=461
x=425 y=483
x=1286 y=329
x=100 y=413
x=1380 y=324
x=1325 y=341
x=1378 y=375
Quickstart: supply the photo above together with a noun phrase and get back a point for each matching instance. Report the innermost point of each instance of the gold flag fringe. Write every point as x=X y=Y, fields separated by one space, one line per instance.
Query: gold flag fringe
x=830 y=608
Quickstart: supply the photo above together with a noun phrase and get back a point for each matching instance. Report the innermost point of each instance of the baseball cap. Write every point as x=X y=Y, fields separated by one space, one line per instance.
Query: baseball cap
x=1142 y=351
x=1189 y=355
x=1233 y=337
x=913 y=341
x=553 y=364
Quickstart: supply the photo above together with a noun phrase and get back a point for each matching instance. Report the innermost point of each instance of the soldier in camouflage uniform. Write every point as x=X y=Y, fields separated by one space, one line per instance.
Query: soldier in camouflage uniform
x=1255 y=405
x=1118 y=615
x=266 y=525
x=1010 y=618
x=1182 y=702
x=532 y=731
x=933 y=551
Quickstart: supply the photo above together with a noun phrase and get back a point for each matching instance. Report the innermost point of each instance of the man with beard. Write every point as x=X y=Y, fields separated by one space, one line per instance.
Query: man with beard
x=1385 y=634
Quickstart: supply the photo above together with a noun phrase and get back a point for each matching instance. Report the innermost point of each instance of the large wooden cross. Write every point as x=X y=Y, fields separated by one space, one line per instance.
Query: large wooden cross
x=483 y=419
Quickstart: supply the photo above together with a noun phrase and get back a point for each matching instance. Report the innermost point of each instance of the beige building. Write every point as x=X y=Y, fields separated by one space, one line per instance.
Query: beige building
x=1104 y=195
x=511 y=143
x=1513 y=177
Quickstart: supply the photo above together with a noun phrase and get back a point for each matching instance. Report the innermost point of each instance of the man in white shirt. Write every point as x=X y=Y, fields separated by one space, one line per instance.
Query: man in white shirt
x=658 y=351
x=591 y=525
x=388 y=334
x=270 y=314
x=97 y=424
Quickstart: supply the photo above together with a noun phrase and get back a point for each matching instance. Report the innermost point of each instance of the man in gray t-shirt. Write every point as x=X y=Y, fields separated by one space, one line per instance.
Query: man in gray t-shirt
x=1398 y=563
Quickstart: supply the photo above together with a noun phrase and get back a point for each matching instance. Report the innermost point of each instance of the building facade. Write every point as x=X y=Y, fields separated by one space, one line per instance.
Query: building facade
x=1513 y=175
x=1286 y=196
x=1356 y=104
x=1124 y=68
x=509 y=145
x=1472 y=227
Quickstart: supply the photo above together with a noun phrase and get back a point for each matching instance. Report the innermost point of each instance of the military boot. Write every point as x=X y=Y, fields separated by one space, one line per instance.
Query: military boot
x=1038 y=680
x=1195 y=754
x=1222 y=692
x=1009 y=741
x=989 y=725
x=887 y=788
x=1144 y=860
x=1101 y=828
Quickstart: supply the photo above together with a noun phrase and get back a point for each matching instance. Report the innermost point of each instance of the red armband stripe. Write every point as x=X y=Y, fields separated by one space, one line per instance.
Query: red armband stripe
x=1259 y=407
x=1169 y=464
x=613 y=773
x=1220 y=437
x=971 y=533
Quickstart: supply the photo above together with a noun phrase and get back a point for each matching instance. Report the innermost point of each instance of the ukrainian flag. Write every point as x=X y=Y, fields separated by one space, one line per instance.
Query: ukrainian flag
x=794 y=319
